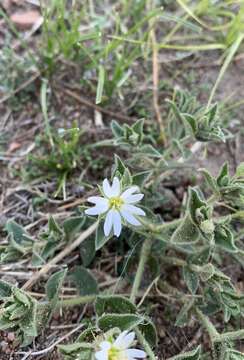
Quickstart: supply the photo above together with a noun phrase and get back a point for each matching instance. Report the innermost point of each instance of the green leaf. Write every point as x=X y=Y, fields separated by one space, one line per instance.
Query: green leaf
x=16 y=231
x=101 y=78
x=207 y=272
x=223 y=177
x=189 y=355
x=140 y=178
x=234 y=355
x=195 y=202
x=183 y=316
x=138 y=128
x=100 y=239
x=191 y=120
x=114 y=304
x=77 y=351
x=148 y=330
x=191 y=279
x=122 y=321
x=117 y=130
x=210 y=180
x=186 y=233
x=5 y=289
x=224 y=239
x=85 y=282
x=73 y=225
x=88 y=250
x=150 y=151
x=240 y=170
x=53 y=286
x=53 y=226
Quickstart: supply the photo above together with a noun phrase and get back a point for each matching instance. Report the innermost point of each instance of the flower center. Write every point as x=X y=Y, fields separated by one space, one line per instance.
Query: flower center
x=115 y=202
x=115 y=354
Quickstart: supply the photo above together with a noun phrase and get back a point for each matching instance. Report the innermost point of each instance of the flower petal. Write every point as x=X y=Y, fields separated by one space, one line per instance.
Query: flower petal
x=97 y=200
x=115 y=188
x=108 y=223
x=129 y=191
x=106 y=188
x=102 y=205
x=133 y=198
x=133 y=209
x=105 y=345
x=135 y=354
x=116 y=223
x=130 y=218
x=124 y=340
x=101 y=355
x=100 y=208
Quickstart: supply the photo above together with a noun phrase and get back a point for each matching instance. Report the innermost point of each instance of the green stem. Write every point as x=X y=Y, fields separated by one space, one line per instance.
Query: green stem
x=225 y=65
x=213 y=333
x=145 y=251
x=145 y=344
x=231 y=335
x=80 y=300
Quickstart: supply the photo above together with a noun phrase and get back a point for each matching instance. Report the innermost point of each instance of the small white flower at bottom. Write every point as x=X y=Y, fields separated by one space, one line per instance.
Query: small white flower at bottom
x=119 y=349
x=116 y=205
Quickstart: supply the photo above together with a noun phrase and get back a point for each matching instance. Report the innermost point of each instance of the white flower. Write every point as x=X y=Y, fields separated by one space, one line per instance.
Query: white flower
x=119 y=349
x=116 y=204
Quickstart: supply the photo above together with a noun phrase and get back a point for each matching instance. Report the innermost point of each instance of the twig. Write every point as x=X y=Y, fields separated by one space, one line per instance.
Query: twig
x=86 y=102
x=67 y=250
x=49 y=348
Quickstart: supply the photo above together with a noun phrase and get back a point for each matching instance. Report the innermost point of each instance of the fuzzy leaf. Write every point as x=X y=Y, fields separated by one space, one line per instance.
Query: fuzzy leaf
x=53 y=226
x=15 y=230
x=88 y=251
x=189 y=355
x=224 y=238
x=117 y=130
x=191 y=279
x=5 y=289
x=195 y=202
x=85 y=282
x=240 y=170
x=148 y=330
x=53 y=286
x=140 y=178
x=122 y=321
x=150 y=151
x=183 y=316
x=100 y=239
x=186 y=233
x=114 y=304
x=206 y=272
x=73 y=225
x=210 y=180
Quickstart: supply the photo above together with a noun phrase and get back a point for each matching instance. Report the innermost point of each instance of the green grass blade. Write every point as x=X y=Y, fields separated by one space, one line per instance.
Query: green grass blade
x=101 y=79
x=44 y=110
x=225 y=65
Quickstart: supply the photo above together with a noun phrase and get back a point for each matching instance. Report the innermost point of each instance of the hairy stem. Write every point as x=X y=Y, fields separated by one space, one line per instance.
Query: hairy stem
x=145 y=344
x=213 y=333
x=80 y=300
x=145 y=251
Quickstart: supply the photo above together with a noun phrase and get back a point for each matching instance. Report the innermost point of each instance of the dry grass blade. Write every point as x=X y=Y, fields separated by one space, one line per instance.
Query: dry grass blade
x=67 y=250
